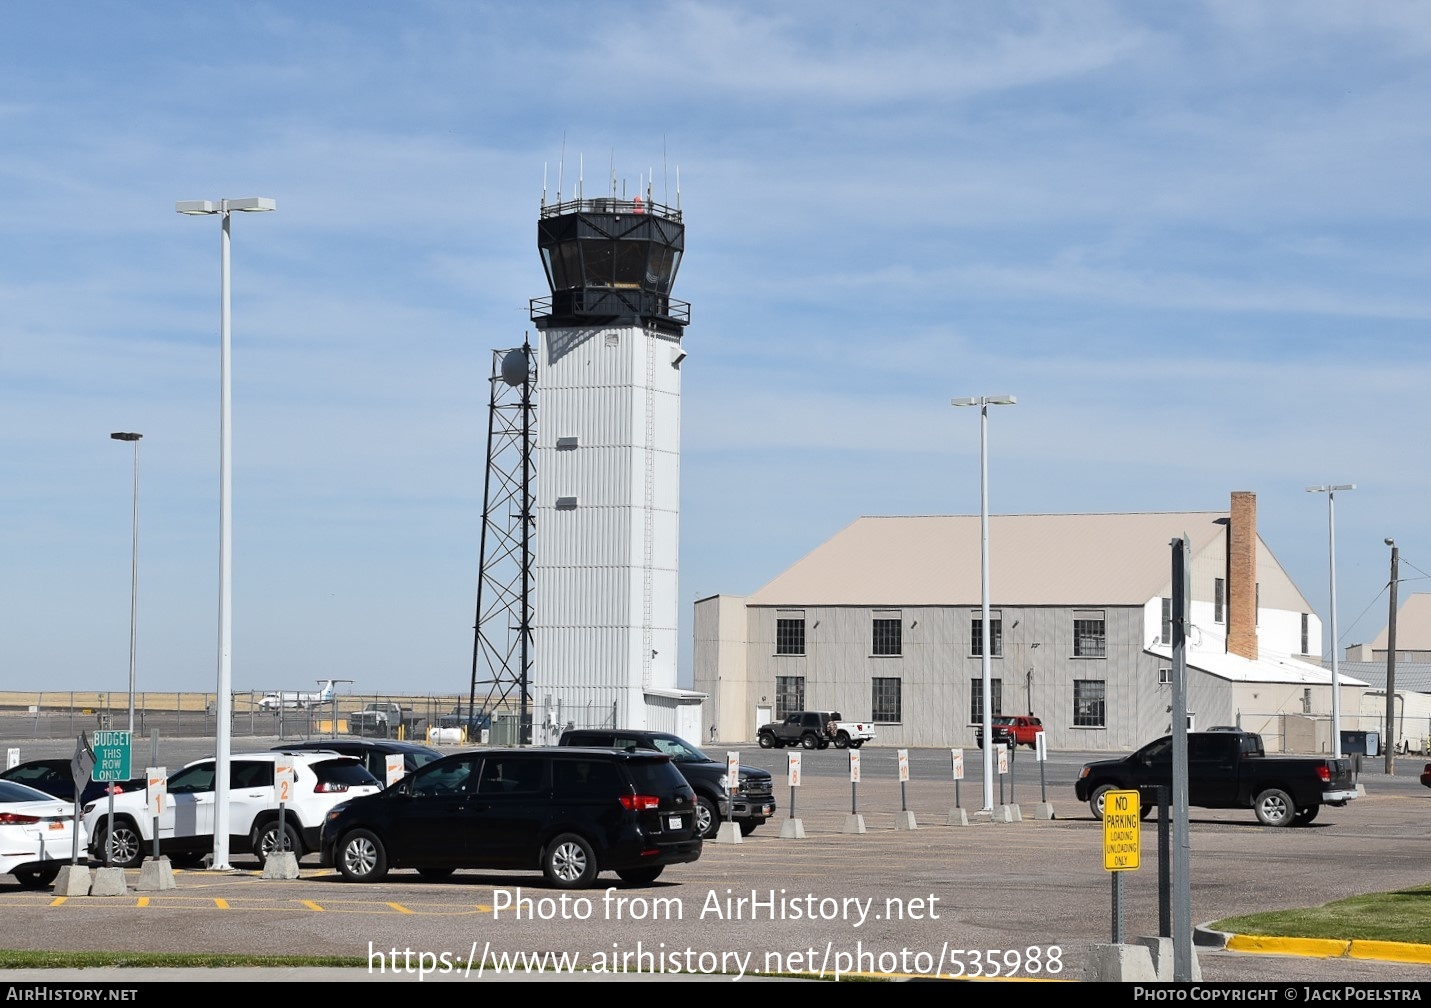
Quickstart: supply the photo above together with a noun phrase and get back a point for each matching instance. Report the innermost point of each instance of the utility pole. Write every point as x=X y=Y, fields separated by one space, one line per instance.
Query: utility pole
x=1388 y=741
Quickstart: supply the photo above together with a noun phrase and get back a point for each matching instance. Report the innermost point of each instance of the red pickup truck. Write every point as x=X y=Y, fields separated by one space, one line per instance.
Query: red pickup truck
x=1012 y=730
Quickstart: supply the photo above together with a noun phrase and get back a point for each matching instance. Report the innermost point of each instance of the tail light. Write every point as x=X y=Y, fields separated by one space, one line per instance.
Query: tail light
x=640 y=802
x=16 y=819
x=1325 y=773
x=329 y=787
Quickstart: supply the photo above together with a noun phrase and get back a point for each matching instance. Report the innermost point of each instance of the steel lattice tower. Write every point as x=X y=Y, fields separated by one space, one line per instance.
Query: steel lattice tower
x=502 y=642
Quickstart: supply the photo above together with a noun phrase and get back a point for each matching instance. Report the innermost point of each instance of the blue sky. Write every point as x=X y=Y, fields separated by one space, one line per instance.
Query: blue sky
x=1191 y=238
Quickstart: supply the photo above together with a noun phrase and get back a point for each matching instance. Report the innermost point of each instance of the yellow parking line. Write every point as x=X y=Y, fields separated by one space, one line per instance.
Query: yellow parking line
x=312 y=906
x=221 y=904
x=401 y=909
x=143 y=901
x=58 y=900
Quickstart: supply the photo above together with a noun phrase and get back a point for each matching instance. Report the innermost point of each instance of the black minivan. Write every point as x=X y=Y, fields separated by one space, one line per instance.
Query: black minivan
x=569 y=812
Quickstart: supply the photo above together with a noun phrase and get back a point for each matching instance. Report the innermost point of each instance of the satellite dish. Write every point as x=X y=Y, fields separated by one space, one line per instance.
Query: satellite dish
x=514 y=367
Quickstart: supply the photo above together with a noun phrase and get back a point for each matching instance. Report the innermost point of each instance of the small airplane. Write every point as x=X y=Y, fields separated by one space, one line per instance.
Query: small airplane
x=298 y=700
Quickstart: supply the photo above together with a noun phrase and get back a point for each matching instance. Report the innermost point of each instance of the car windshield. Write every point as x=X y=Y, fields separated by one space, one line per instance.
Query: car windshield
x=680 y=750
x=1004 y=719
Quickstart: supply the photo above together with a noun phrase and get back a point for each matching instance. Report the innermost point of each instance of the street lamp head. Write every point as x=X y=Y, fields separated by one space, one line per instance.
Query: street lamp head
x=247 y=204
x=1330 y=488
x=1002 y=399
x=1389 y=542
x=252 y=204
x=125 y=436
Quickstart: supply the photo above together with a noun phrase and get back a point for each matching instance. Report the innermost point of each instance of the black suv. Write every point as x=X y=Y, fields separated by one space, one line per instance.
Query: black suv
x=570 y=813
x=373 y=752
x=754 y=799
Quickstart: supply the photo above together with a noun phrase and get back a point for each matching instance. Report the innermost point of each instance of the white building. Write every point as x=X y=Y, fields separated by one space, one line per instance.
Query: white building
x=884 y=621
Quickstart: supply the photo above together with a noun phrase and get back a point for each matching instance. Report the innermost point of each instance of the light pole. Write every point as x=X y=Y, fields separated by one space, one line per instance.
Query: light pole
x=223 y=701
x=986 y=643
x=1331 y=491
x=1388 y=741
x=133 y=572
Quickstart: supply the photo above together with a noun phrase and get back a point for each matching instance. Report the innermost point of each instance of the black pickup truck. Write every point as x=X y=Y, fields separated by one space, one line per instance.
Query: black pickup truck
x=1226 y=769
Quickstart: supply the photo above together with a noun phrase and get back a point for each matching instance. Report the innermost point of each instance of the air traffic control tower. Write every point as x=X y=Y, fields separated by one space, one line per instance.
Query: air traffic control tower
x=608 y=467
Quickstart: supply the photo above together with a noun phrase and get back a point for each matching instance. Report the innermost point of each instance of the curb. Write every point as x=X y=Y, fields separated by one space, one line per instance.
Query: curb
x=1321 y=948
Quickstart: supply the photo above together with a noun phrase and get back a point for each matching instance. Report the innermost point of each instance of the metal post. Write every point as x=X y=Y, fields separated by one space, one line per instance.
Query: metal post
x=1389 y=738
x=133 y=570
x=223 y=700
x=985 y=648
x=1182 y=861
x=1331 y=491
x=986 y=644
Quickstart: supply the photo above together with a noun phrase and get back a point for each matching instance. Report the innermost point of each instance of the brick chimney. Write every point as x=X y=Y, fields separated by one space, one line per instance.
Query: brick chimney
x=1242 y=575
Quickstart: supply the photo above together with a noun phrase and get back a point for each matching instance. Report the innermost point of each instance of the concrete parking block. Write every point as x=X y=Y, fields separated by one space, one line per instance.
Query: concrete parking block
x=156 y=874
x=109 y=882
x=729 y=832
x=74 y=880
x=280 y=865
x=854 y=823
x=792 y=829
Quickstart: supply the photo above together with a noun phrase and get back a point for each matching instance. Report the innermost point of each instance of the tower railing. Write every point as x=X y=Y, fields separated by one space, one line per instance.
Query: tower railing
x=610 y=205
x=611 y=302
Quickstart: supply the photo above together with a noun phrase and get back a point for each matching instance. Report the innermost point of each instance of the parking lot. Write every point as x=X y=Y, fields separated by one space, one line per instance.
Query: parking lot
x=1024 y=898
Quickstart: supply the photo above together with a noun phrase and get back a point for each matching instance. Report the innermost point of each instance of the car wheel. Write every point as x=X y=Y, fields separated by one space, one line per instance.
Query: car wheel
x=856 y=743
x=436 y=874
x=1274 y=808
x=809 y=742
x=125 y=845
x=766 y=741
x=362 y=858
x=842 y=740
x=747 y=826
x=569 y=862
x=1306 y=815
x=1095 y=803
x=640 y=876
x=266 y=839
x=37 y=876
x=707 y=818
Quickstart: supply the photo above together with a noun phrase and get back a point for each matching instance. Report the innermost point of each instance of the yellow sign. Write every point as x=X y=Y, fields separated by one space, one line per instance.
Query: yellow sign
x=1121 y=822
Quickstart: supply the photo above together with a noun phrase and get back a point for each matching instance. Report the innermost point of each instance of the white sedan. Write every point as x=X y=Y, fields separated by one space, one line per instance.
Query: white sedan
x=37 y=834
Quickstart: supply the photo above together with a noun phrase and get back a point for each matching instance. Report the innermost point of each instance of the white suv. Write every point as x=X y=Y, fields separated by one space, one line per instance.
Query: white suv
x=186 y=828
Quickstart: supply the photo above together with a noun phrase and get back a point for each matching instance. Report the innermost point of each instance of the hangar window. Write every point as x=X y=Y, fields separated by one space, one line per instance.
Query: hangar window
x=1088 y=701
x=789 y=695
x=1089 y=634
x=885 y=700
x=790 y=633
x=976 y=699
x=996 y=633
x=888 y=638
